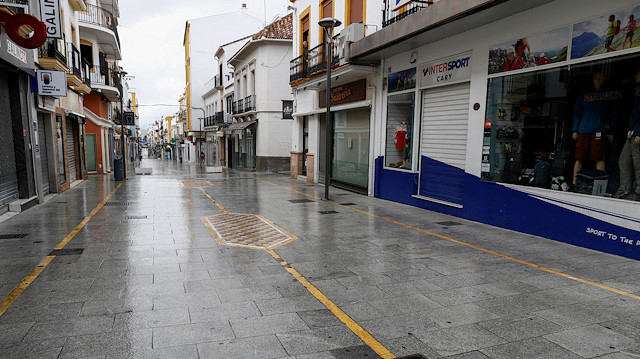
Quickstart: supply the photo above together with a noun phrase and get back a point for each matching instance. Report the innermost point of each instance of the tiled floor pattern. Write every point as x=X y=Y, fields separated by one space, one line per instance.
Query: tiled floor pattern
x=160 y=287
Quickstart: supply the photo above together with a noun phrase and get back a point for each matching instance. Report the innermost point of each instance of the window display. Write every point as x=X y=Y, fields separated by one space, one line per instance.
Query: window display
x=573 y=128
x=398 y=152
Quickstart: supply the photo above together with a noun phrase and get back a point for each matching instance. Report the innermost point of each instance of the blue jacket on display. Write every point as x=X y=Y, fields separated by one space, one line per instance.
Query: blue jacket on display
x=596 y=112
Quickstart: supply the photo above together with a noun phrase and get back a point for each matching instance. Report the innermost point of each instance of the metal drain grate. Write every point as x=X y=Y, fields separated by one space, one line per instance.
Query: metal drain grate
x=13 y=235
x=246 y=230
x=135 y=217
x=328 y=212
x=348 y=204
x=449 y=224
x=66 y=252
x=112 y=204
x=300 y=200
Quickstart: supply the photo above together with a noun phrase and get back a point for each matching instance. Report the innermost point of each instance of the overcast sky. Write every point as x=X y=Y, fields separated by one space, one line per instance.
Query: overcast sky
x=151 y=34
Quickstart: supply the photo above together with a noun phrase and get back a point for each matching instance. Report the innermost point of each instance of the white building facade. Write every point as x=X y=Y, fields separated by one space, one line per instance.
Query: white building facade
x=353 y=93
x=202 y=38
x=261 y=134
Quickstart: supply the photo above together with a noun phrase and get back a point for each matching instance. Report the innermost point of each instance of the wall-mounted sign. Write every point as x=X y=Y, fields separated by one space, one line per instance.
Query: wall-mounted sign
x=287 y=109
x=402 y=80
x=52 y=83
x=129 y=118
x=50 y=15
x=446 y=71
x=13 y=23
x=350 y=92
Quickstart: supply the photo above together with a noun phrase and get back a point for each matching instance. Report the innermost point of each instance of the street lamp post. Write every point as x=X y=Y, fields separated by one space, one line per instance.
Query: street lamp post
x=328 y=23
x=121 y=74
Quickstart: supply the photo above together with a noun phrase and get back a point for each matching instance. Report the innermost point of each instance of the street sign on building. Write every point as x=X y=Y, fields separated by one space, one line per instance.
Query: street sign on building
x=52 y=83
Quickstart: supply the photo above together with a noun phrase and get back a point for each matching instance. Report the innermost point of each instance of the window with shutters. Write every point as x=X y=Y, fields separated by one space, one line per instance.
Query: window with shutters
x=354 y=11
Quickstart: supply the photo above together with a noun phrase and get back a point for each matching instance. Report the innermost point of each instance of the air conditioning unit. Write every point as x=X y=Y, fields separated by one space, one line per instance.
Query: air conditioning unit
x=349 y=34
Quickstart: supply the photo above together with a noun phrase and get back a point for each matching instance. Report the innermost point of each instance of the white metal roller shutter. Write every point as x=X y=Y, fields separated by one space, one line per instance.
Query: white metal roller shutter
x=44 y=160
x=443 y=146
x=71 y=153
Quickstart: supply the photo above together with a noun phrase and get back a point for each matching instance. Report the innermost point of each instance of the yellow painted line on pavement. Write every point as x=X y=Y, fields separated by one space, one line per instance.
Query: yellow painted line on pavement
x=367 y=338
x=213 y=200
x=17 y=291
x=533 y=265
x=24 y=284
x=342 y=316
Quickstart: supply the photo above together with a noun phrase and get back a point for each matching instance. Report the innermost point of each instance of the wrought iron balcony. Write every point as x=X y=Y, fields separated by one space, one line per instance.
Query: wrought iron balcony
x=98 y=16
x=238 y=107
x=102 y=76
x=316 y=62
x=73 y=60
x=208 y=121
x=218 y=118
x=317 y=59
x=86 y=72
x=390 y=16
x=55 y=49
x=297 y=68
x=250 y=103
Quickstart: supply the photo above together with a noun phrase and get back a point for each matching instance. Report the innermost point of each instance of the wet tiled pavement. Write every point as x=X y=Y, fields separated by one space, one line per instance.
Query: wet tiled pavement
x=152 y=282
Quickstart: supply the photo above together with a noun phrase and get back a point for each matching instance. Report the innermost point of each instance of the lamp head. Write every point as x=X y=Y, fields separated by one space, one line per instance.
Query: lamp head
x=329 y=22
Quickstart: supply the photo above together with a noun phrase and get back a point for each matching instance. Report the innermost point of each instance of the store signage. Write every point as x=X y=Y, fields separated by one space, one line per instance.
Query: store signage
x=52 y=83
x=50 y=15
x=287 y=109
x=446 y=71
x=13 y=23
x=129 y=118
x=350 y=92
x=396 y=4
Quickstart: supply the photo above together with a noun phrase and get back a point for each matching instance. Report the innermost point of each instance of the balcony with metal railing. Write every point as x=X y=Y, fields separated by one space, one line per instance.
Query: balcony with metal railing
x=250 y=103
x=101 y=23
x=391 y=16
x=73 y=62
x=244 y=105
x=315 y=63
x=52 y=55
x=102 y=78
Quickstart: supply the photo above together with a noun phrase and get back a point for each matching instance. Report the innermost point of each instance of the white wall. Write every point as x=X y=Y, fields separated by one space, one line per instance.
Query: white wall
x=207 y=34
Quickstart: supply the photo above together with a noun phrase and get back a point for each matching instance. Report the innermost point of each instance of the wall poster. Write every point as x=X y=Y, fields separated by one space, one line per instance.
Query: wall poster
x=538 y=50
x=607 y=33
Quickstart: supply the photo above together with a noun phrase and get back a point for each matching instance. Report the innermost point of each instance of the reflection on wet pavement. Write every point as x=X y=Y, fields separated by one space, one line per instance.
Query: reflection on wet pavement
x=140 y=275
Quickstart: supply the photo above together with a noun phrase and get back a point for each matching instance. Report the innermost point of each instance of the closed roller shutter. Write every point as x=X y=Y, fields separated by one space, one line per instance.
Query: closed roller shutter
x=8 y=177
x=44 y=159
x=71 y=152
x=445 y=115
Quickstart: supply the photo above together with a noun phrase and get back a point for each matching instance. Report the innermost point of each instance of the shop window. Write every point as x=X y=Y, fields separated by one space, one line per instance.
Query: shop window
x=565 y=129
x=350 y=163
x=399 y=143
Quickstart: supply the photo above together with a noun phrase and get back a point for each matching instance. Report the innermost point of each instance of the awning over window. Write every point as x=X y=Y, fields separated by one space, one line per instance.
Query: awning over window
x=238 y=127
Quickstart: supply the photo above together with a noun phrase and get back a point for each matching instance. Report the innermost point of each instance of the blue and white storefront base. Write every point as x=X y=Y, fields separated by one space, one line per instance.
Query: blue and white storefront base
x=456 y=164
x=575 y=219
